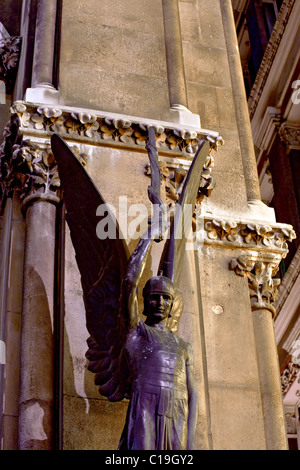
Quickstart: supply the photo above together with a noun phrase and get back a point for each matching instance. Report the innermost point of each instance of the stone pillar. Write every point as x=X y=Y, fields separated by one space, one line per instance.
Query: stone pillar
x=36 y=400
x=191 y=329
x=269 y=374
x=39 y=199
x=240 y=102
x=4 y=274
x=43 y=58
x=43 y=90
x=263 y=292
x=174 y=57
x=13 y=326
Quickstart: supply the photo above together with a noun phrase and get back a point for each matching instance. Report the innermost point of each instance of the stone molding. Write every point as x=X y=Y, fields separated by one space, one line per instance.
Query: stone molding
x=267 y=240
x=10 y=50
x=269 y=55
x=264 y=247
x=98 y=128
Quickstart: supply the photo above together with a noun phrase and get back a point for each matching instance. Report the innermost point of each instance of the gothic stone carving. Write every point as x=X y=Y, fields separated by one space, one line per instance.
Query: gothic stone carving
x=107 y=130
x=27 y=167
x=262 y=237
x=263 y=288
x=9 y=59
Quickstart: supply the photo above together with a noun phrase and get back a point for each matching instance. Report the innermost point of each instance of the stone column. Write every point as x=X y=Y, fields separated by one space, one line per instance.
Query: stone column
x=190 y=328
x=4 y=274
x=263 y=292
x=36 y=400
x=241 y=107
x=12 y=332
x=43 y=58
x=43 y=90
x=174 y=56
x=269 y=374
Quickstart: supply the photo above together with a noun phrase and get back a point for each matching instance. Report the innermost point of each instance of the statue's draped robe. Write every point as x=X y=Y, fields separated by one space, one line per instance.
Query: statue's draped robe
x=158 y=410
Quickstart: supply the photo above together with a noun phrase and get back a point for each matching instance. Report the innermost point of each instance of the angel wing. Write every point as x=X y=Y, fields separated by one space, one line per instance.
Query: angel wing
x=174 y=249
x=102 y=265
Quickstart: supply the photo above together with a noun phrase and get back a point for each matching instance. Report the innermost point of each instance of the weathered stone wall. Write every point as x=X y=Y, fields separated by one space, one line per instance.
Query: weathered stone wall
x=117 y=62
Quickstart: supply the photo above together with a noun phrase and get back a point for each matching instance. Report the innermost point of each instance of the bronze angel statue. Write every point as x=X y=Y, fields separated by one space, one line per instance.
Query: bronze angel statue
x=144 y=361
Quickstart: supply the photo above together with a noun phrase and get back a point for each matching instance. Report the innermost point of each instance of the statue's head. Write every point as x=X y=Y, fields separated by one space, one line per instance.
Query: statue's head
x=162 y=301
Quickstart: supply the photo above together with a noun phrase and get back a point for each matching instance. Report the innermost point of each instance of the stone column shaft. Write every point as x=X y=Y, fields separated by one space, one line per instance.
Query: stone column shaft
x=263 y=292
x=37 y=347
x=240 y=101
x=174 y=56
x=269 y=374
x=13 y=328
x=190 y=328
x=43 y=59
x=4 y=274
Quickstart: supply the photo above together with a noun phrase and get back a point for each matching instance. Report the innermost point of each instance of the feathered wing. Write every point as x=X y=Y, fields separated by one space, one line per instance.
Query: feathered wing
x=102 y=265
x=175 y=246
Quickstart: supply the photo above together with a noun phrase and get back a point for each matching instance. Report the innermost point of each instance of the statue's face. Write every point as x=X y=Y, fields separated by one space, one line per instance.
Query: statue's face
x=159 y=307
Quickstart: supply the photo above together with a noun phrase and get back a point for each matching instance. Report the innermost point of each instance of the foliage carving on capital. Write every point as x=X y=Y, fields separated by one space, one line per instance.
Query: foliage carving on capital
x=27 y=167
x=263 y=288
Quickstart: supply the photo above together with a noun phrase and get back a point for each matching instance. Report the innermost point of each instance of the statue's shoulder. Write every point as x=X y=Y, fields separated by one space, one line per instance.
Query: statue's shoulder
x=187 y=348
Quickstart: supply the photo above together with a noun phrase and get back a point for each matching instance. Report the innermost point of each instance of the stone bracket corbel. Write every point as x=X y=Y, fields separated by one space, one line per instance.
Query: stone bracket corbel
x=263 y=288
x=262 y=247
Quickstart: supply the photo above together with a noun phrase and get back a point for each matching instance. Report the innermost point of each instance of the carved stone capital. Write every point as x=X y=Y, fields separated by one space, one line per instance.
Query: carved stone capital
x=97 y=128
x=9 y=58
x=28 y=167
x=263 y=288
x=290 y=135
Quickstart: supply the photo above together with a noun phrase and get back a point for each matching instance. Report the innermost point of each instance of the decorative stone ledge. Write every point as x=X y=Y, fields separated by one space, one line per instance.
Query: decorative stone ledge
x=98 y=128
x=260 y=238
x=263 y=247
